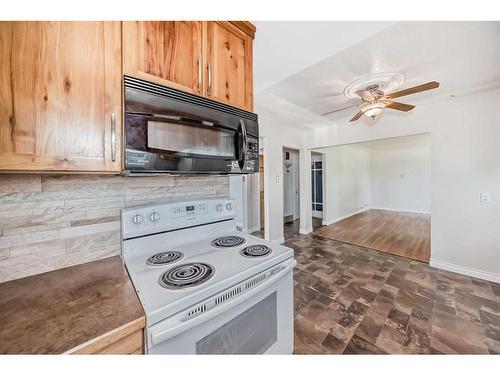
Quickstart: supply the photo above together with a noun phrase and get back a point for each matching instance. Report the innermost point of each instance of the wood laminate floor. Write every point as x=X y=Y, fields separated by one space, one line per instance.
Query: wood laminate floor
x=405 y=234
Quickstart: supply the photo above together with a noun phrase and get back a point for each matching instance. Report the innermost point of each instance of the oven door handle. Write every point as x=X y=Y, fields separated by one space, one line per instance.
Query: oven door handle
x=174 y=326
x=243 y=147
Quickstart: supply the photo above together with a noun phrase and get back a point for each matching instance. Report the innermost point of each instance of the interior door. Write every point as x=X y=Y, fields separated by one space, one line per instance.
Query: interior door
x=228 y=59
x=166 y=52
x=60 y=96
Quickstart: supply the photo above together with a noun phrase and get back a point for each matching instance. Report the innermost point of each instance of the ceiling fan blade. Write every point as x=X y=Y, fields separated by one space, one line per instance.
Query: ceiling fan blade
x=414 y=90
x=399 y=106
x=340 y=109
x=365 y=95
x=356 y=116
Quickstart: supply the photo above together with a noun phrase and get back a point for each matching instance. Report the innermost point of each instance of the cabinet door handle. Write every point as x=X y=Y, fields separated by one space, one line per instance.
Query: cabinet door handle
x=199 y=74
x=113 y=137
x=209 y=67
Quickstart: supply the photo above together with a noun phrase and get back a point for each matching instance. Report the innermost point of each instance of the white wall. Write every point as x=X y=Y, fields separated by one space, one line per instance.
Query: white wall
x=347 y=182
x=465 y=148
x=237 y=192
x=253 y=203
x=245 y=192
x=276 y=135
x=400 y=178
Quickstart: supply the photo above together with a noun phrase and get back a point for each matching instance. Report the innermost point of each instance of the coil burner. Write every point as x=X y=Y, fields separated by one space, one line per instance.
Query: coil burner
x=186 y=275
x=255 y=251
x=165 y=257
x=228 y=241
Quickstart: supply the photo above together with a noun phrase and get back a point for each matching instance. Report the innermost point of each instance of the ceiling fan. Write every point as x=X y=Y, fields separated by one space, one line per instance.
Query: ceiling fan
x=374 y=100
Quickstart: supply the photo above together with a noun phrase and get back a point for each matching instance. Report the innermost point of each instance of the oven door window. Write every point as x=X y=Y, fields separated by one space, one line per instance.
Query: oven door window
x=191 y=140
x=252 y=332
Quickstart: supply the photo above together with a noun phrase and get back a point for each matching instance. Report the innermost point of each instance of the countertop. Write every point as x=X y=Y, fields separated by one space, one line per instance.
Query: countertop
x=57 y=311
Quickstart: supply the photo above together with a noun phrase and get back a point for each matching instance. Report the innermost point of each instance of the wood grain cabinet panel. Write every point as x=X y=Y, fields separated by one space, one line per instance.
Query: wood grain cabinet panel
x=60 y=101
x=127 y=339
x=228 y=57
x=166 y=52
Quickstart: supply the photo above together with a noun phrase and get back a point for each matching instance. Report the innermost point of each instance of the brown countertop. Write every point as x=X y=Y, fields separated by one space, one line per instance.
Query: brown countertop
x=56 y=311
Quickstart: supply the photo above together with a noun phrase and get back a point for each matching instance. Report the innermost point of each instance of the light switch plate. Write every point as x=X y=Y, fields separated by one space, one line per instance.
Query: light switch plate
x=484 y=197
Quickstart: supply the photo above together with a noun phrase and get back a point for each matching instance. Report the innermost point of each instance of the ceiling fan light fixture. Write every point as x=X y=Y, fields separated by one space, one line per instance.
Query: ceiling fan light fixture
x=373 y=109
x=385 y=81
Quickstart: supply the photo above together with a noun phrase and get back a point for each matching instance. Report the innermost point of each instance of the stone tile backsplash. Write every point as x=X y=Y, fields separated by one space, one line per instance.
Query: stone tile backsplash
x=54 y=221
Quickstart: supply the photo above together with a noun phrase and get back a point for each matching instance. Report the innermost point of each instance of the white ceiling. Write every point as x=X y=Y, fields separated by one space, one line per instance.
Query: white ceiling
x=283 y=48
x=462 y=56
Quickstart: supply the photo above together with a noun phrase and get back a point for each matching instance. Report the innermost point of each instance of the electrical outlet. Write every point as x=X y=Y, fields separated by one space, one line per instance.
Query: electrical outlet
x=277 y=178
x=484 y=197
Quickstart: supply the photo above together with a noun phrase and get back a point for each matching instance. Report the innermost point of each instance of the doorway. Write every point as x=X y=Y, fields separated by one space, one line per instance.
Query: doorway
x=378 y=195
x=317 y=185
x=317 y=189
x=291 y=190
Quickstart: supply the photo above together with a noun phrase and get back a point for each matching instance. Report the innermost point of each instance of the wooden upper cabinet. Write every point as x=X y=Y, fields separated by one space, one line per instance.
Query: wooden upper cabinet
x=61 y=83
x=60 y=96
x=165 y=52
x=212 y=59
x=228 y=63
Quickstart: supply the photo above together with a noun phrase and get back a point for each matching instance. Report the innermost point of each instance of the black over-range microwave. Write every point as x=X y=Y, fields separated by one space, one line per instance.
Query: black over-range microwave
x=171 y=131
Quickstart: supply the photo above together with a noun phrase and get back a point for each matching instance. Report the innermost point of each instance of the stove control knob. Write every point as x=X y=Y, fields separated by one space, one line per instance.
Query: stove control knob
x=229 y=206
x=154 y=217
x=137 y=219
x=220 y=207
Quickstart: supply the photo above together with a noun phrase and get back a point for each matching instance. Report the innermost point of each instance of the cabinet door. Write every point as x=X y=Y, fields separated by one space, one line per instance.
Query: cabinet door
x=166 y=52
x=60 y=96
x=228 y=52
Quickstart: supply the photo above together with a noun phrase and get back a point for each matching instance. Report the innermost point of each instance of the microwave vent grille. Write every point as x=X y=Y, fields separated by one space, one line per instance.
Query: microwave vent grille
x=167 y=92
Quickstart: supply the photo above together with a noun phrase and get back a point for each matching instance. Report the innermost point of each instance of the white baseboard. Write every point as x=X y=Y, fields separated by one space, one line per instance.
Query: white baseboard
x=465 y=270
x=343 y=217
x=398 y=210
x=307 y=231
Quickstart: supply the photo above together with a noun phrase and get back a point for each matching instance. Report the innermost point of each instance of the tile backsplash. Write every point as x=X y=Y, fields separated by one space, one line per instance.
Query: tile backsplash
x=54 y=221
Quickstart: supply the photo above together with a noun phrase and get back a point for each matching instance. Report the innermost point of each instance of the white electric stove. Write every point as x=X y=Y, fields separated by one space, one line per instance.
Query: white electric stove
x=206 y=287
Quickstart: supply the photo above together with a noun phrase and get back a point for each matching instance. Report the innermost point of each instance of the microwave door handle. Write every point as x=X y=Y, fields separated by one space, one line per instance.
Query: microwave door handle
x=243 y=149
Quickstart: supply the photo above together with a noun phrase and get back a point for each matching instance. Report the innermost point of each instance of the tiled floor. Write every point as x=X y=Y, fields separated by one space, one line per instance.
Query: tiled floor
x=350 y=299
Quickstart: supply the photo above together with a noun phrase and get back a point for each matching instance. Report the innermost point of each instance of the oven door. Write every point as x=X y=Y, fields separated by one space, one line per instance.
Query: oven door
x=256 y=322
